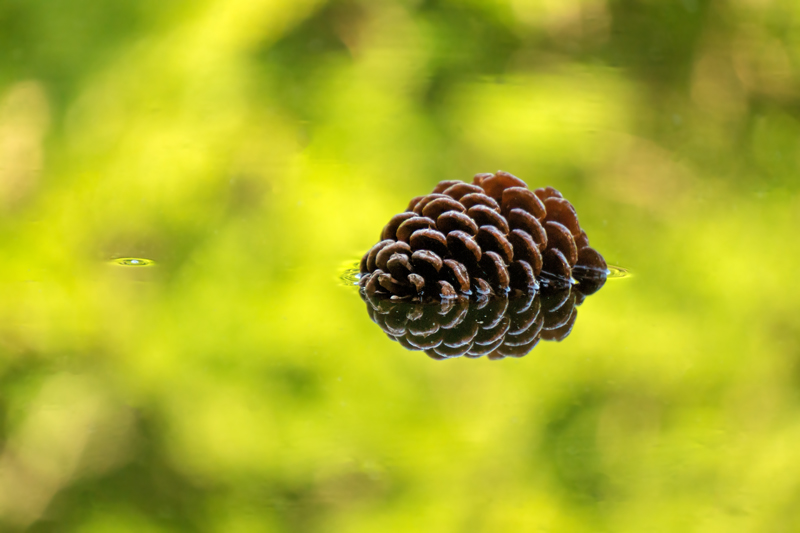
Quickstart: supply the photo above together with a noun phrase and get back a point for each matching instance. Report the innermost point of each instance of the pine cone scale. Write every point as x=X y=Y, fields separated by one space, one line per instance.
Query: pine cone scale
x=456 y=221
x=560 y=238
x=383 y=256
x=438 y=206
x=491 y=239
x=519 y=219
x=399 y=266
x=522 y=198
x=463 y=248
x=561 y=211
x=461 y=189
x=390 y=230
x=473 y=199
x=485 y=216
x=411 y=225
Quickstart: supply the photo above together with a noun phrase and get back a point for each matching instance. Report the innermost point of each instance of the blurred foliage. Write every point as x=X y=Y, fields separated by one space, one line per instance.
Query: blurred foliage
x=253 y=148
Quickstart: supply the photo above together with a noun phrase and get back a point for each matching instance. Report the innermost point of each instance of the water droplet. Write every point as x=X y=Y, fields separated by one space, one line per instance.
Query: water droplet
x=133 y=262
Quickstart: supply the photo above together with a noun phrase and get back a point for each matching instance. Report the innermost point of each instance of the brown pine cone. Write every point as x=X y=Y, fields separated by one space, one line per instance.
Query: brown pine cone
x=487 y=237
x=498 y=327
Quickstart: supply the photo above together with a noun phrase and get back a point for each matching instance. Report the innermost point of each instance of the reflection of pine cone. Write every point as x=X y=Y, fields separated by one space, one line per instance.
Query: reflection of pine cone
x=498 y=327
x=485 y=237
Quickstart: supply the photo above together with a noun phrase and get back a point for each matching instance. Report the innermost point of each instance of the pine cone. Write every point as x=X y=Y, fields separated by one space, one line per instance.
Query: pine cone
x=487 y=237
x=498 y=327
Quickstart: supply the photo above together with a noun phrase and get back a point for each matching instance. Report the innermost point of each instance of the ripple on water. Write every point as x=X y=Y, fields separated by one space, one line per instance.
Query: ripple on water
x=615 y=272
x=350 y=274
x=133 y=262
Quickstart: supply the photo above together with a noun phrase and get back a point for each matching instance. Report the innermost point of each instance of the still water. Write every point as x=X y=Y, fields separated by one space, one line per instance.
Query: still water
x=182 y=187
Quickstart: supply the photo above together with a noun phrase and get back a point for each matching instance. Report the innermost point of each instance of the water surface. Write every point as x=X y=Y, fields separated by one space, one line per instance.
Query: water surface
x=251 y=149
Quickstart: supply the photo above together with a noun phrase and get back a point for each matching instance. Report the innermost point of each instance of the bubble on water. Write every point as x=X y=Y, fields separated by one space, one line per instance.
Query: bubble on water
x=133 y=262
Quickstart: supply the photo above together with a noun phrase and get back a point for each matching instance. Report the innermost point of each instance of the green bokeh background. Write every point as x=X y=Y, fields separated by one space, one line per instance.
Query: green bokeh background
x=255 y=148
